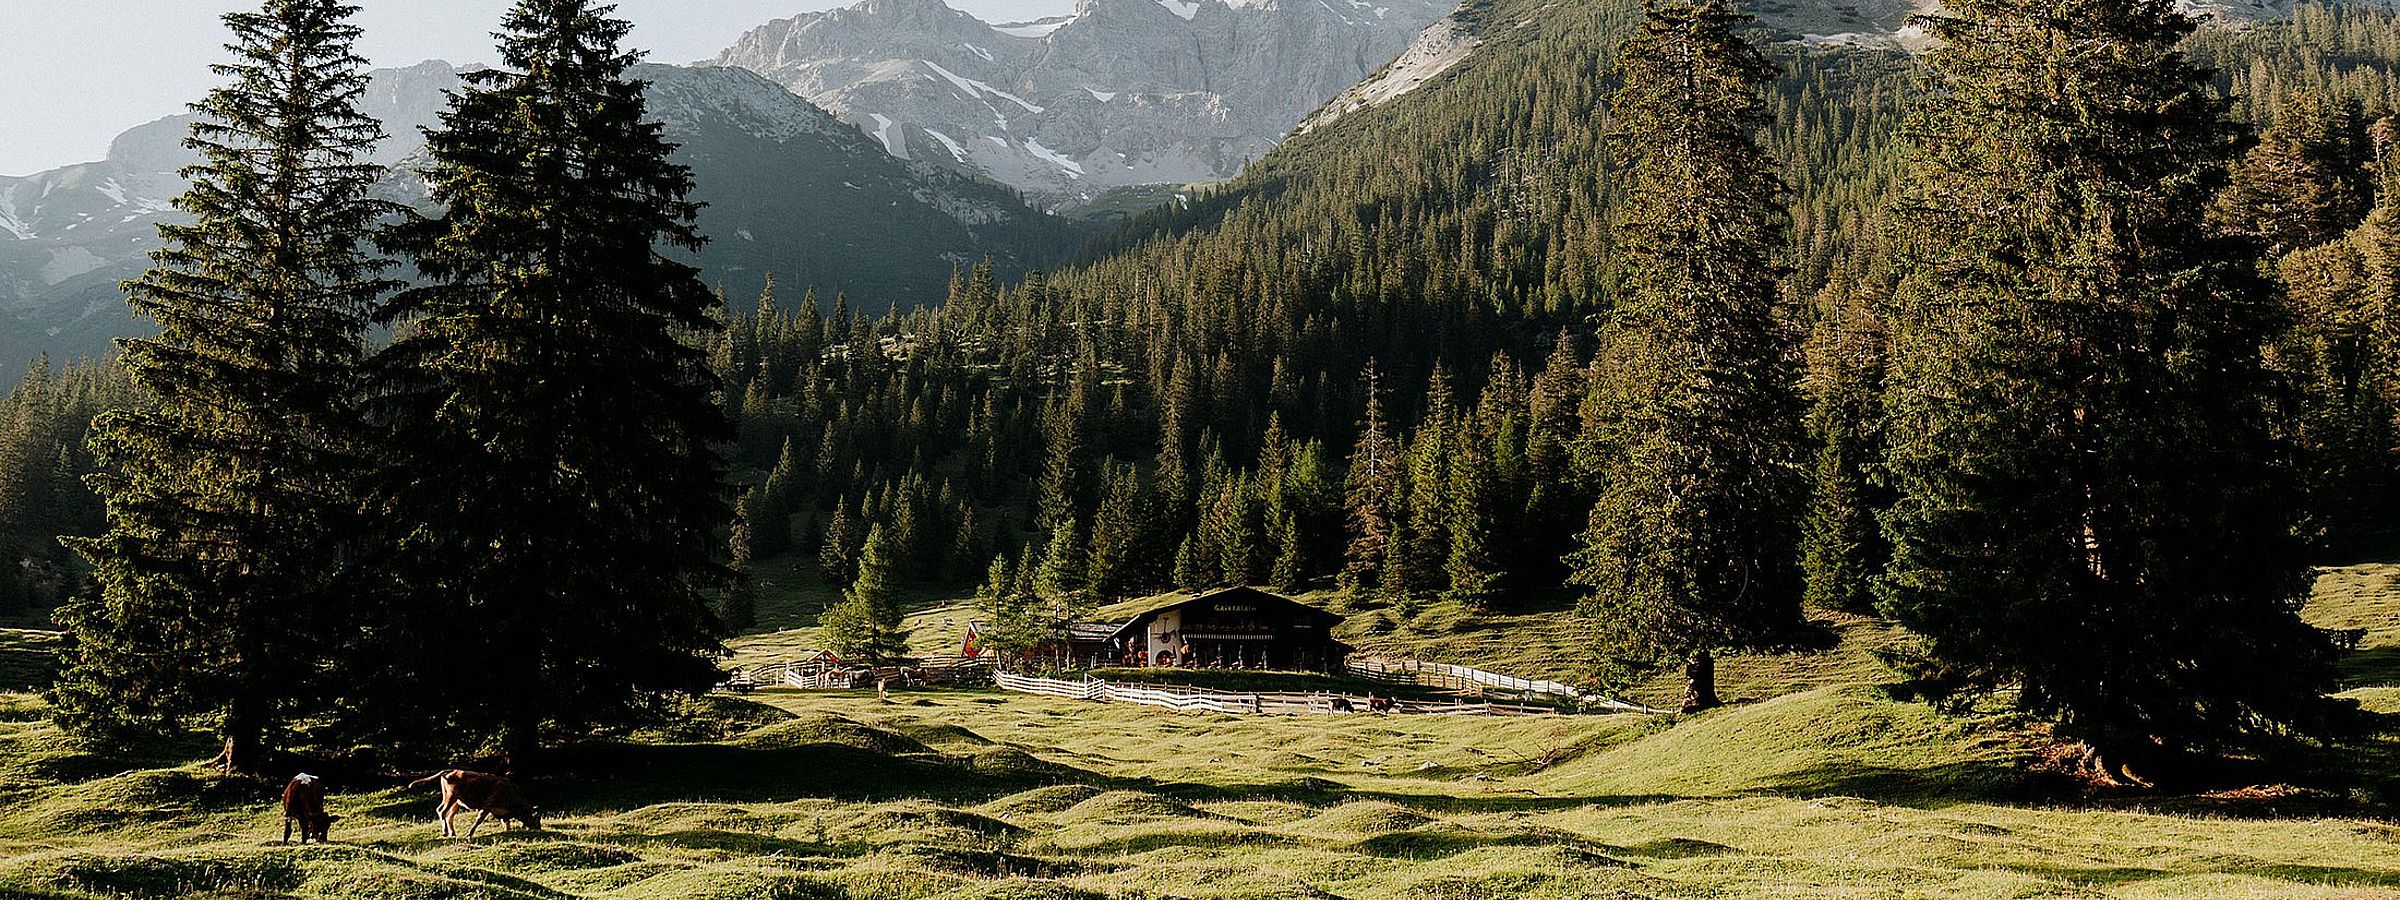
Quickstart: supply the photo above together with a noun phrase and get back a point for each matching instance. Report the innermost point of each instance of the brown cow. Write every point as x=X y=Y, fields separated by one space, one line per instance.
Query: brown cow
x=304 y=802
x=487 y=795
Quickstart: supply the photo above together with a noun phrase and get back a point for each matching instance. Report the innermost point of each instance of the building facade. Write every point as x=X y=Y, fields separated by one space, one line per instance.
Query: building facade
x=1228 y=628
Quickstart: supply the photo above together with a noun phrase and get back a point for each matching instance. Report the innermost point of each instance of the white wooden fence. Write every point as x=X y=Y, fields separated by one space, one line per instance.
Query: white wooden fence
x=1462 y=678
x=1193 y=699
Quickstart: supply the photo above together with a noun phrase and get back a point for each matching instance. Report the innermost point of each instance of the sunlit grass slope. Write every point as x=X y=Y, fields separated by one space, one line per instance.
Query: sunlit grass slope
x=1817 y=785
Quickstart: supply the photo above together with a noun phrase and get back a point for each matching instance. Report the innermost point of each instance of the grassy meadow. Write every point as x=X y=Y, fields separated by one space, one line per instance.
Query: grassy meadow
x=1817 y=785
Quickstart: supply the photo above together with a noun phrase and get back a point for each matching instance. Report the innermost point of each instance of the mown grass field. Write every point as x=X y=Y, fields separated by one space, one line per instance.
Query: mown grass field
x=1818 y=786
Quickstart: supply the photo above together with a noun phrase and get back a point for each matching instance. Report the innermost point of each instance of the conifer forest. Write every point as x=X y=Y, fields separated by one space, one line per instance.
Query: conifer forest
x=2022 y=395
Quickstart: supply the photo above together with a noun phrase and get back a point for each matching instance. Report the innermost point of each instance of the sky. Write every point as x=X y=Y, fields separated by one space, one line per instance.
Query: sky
x=78 y=73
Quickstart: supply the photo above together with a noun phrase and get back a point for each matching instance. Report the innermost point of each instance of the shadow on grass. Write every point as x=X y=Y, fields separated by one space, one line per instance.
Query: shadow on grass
x=28 y=659
x=2371 y=667
x=610 y=775
x=2122 y=876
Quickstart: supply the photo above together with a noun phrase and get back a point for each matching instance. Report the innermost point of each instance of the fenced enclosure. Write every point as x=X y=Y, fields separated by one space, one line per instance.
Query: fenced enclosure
x=1193 y=699
x=823 y=674
x=1465 y=680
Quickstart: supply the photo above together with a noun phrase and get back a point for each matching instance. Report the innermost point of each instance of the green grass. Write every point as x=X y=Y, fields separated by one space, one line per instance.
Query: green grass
x=27 y=658
x=1817 y=785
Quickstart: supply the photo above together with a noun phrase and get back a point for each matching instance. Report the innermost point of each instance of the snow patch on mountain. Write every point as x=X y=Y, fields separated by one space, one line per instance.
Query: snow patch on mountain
x=9 y=222
x=1190 y=94
x=1041 y=28
x=686 y=99
x=883 y=135
x=957 y=150
x=1443 y=46
x=1034 y=146
x=977 y=89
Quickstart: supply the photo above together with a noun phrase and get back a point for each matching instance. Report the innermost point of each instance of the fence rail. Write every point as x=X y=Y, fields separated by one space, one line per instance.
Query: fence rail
x=1194 y=699
x=1463 y=678
x=818 y=675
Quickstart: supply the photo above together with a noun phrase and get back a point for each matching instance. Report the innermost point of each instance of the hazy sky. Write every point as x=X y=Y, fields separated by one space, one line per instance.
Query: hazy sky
x=79 y=72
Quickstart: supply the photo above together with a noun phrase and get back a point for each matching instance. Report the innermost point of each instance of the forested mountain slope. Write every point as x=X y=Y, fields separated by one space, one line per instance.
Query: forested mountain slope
x=1192 y=405
x=790 y=190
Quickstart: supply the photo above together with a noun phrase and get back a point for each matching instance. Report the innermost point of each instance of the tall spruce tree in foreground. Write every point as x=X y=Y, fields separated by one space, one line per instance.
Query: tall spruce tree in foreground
x=557 y=491
x=1691 y=547
x=2089 y=508
x=222 y=570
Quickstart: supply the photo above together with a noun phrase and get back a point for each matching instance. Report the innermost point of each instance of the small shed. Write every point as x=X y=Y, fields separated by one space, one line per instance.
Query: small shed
x=1225 y=628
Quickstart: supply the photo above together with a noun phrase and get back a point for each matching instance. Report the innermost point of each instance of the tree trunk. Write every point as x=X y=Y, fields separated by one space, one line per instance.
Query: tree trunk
x=244 y=741
x=520 y=744
x=1700 y=683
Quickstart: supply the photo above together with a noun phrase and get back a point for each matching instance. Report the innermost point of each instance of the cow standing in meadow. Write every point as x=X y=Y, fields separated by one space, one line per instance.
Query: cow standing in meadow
x=304 y=803
x=488 y=795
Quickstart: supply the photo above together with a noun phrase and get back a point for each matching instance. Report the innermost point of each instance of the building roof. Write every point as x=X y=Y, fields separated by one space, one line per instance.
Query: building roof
x=1132 y=612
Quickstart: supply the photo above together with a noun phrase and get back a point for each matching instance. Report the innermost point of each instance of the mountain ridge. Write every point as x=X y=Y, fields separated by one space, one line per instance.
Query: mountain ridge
x=1120 y=93
x=790 y=190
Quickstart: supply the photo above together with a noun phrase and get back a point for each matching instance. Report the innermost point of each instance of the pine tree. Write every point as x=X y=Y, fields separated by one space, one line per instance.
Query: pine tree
x=1121 y=560
x=1064 y=576
x=837 y=554
x=232 y=497
x=2305 y=182
x=553 y=425
x=737 y=608
x=1420 y=571
x=1471 y=569
x=865 y=626
x=1370 y=497
x=1066 y=471
x=1692 y=546
x=1842 y=548
x=1009 y=626
x=2339 y=356
x=2089 y=511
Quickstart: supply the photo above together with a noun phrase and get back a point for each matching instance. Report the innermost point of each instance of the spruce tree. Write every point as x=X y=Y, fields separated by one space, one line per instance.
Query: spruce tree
x=1370 y=496
x=1010 y=627
x=2305 y=182
x=1472 y=568
x=232 y=496
x=737 y=607
x=837 y=552
x=1064 y=577
x=865 y=627
x=1121 y=559
x=2339 y=356
x=2090 y=515
x=1420 y=572
x=1842 y=547
x=551 y=410
x=1692 y=546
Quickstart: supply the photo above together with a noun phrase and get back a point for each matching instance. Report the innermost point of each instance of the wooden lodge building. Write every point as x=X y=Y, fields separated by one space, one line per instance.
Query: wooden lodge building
x=1227 y=628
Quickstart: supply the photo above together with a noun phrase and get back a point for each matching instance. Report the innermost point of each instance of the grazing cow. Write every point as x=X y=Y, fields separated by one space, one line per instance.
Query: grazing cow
x=304 y=802
x=487 y=795
x=1382 y=704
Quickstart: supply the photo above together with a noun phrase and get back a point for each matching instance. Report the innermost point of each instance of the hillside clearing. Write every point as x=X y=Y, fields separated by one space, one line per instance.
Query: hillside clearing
x=1823 y=789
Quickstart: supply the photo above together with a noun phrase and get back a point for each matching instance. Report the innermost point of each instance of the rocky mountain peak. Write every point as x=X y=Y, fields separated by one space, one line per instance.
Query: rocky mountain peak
x=1123 y=92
